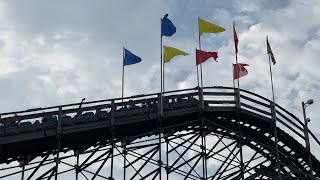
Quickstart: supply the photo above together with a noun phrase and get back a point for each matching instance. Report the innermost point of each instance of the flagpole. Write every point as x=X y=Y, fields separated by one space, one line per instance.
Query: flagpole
x=161 y=97
x=236 y=57
x=274 y=118
x=204 y=161
x=273 y=100
x=163 y=77
x=238 y=104
x=161 y=69
x=197 y=69
x=200 y=54
x=122 y=73
x=233 y=75
x=198 y=75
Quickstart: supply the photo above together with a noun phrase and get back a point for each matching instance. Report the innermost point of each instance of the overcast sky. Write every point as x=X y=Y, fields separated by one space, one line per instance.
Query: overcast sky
x=57 y=52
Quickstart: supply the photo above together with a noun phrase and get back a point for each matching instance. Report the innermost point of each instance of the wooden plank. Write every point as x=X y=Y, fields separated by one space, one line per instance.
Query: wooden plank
x=256 y=109
x=291 y=122
x=255 y=101
x=250 y=113
x=220 y=102
x=293 y=130
x=219 y=109
x=182 y=95
x=219 y=93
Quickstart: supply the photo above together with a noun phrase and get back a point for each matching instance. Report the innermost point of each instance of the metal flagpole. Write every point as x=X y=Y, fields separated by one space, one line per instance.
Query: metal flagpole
x=273 y=100
x=197 y=69
x=273 y=115
x=198 y=75
x=238 y=107
x=271 y=77
x=163 y=81
x=202 y=105
x=234 y=86
x=200 y=54
x=239 y=125
x=161 y=99
x=239 y=71
x=123 y=54
x=161 y=69
x=236 y=54
x=204 y=161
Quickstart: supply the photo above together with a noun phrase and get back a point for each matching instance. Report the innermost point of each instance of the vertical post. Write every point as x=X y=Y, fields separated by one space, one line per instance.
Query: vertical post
x=123 y=54
x=163 y=91
x=22 y=175
x=306 y=138
x=274 y=121
x=161 y=68
x=59 y=141
x=274 y=125
x=200 y=92
x=112 y=136
x=167 y=153
x=112 y=154
x=234 y=86
x=159 y=128
x=124 y=161
x=202 y=104
x=77 y=170
x=197 y=73
x=203 y=147
x=205 y=155
x=200 y=54
x=238 y=106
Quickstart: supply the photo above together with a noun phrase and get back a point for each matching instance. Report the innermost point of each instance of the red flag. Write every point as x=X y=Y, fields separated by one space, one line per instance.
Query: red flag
x=202 y=56
x=239 y=70
x=269 y=51
x=235 y=37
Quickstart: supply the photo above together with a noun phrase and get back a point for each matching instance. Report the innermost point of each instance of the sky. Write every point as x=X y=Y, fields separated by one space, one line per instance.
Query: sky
x=58 y=52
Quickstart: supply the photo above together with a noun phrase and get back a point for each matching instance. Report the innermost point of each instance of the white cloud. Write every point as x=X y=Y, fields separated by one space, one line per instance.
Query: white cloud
x=248 y=6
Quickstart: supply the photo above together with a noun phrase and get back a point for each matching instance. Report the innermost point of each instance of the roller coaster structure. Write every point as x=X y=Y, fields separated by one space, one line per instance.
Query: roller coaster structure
x=203 y=133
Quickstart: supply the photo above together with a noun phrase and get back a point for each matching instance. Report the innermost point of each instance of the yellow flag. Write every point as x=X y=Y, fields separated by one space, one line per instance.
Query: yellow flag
x=170 y=52
x=207 y=27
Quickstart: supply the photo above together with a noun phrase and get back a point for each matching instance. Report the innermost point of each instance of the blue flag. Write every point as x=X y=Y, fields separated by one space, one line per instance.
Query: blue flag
x=129 y=58
x=167 y=28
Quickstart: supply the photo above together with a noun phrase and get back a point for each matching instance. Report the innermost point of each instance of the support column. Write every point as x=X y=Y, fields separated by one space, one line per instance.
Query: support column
x=113 y=108
x=306 y=138
x=167 y=154
x=124 y=161
x=274 y=129
x=160 y=113
x=77 y=167
x=203 y=149
x=238 y=106
x=22 y=175
x=59 y=141
x=112 y=154
x=203 y=145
